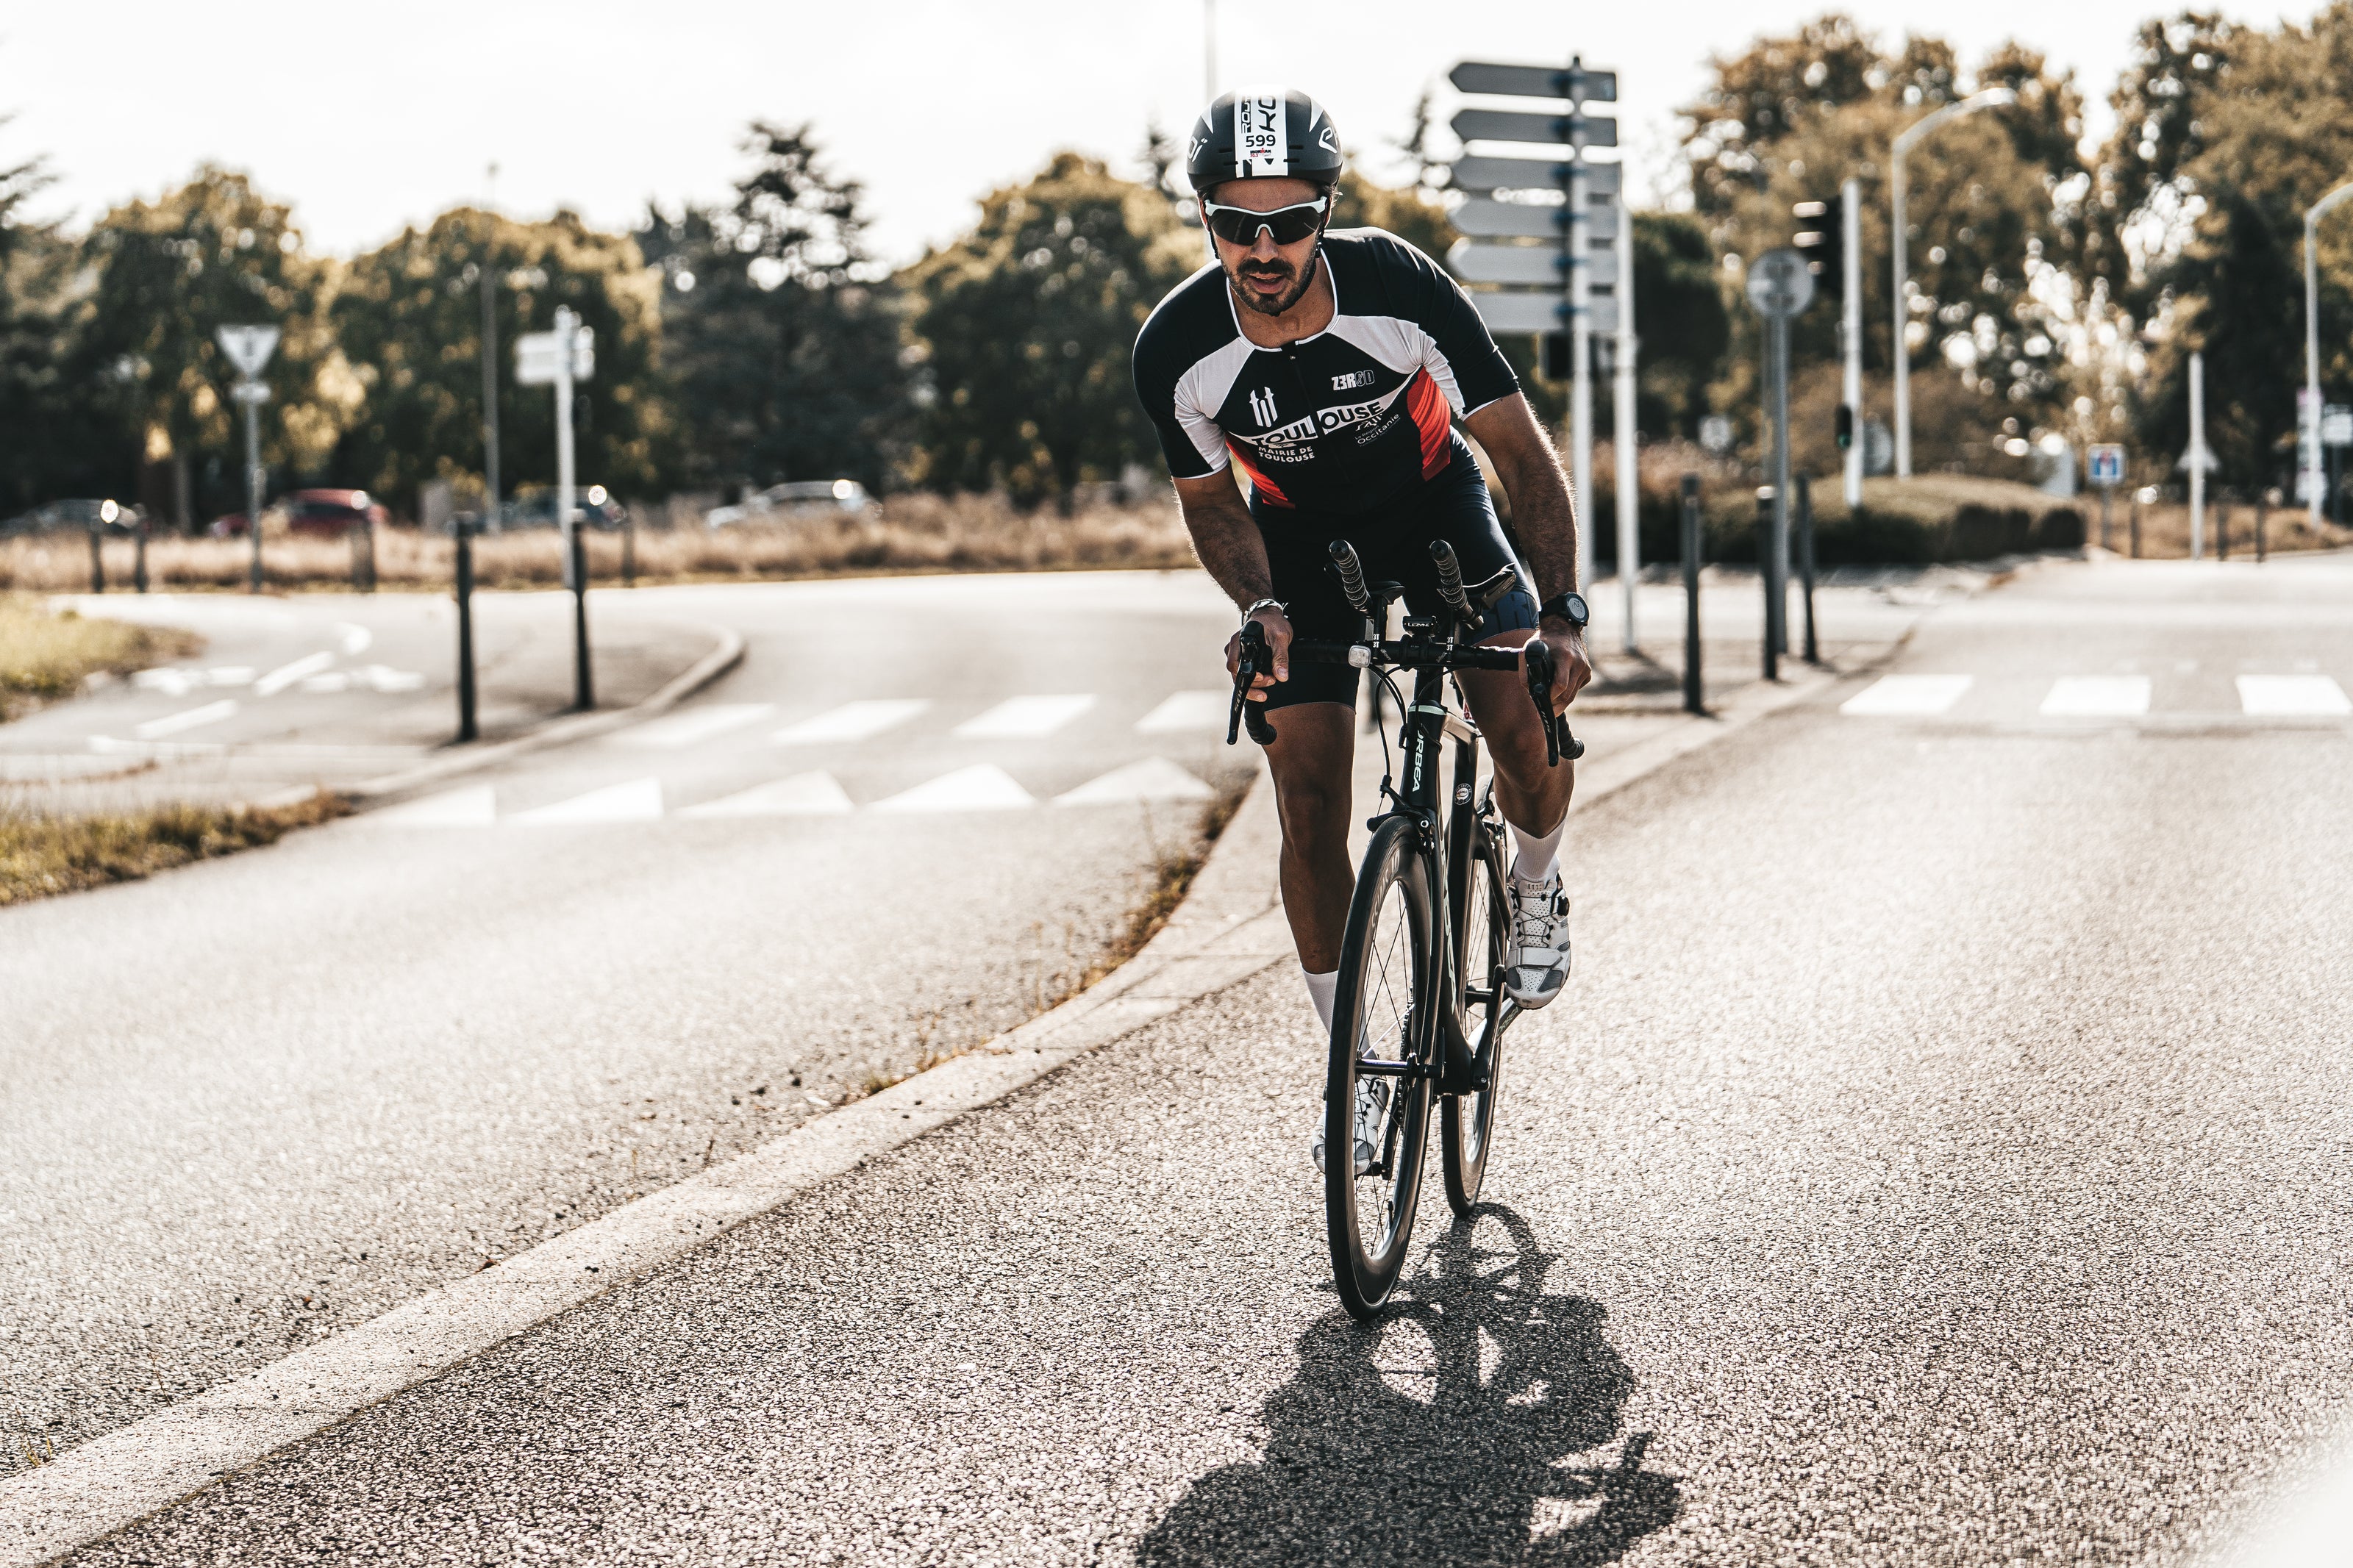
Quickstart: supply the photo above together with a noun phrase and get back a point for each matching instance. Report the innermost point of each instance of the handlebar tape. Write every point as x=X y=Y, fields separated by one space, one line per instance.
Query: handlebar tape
x=1450 y=578
x=1351 y=576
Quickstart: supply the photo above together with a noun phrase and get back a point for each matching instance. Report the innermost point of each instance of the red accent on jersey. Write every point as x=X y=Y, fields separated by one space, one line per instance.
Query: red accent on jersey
x=1267 y=487
x=1428 y=406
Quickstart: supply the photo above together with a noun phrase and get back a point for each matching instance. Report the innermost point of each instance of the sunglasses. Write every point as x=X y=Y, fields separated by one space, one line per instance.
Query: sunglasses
x=1289 y=226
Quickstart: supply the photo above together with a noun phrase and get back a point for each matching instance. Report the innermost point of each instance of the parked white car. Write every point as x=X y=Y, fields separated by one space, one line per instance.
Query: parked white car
x=795 y=499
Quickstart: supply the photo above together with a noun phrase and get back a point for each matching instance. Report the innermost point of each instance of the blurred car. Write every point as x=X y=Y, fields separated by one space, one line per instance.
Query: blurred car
x=536 y=508
x=321 y=514
x=75 y=516
x=795 y=499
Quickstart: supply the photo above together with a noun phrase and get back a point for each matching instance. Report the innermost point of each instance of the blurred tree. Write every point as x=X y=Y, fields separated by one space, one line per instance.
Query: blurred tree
x=214 y=252
x=53 y=418
x=783 y=340
x=1028 y=322
x=408 y=318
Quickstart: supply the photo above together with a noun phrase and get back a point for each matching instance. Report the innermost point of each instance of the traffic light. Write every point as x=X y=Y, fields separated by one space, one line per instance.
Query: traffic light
x=1824 y=239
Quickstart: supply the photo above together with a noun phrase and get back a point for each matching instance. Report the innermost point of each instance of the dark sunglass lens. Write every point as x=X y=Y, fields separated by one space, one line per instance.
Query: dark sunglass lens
x=1288 y=227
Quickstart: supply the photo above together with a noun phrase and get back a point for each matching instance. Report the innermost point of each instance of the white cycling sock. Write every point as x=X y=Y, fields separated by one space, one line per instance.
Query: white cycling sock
x=1320 y=990
x=1537 y=858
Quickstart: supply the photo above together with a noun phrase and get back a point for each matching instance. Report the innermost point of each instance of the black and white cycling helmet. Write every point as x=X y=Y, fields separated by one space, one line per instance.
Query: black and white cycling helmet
x=1261 y=132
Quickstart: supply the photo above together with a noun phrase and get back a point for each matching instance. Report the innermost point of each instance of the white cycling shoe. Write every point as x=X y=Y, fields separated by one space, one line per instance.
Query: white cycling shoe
x=1539 y=957
x=1372 y=1122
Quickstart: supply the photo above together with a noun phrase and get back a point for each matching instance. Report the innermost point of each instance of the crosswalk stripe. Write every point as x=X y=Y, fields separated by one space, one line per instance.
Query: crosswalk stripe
x=475 y=807
x=640 y=800
x=1024 y=718
x=803 y=795
x=1154 y=778
x=2097 y=697
x=2293 y=696
x=696 y=724
x=982 y=787
x=1907 y=695
x=852 y=720
x=1182 y=710
x=172 y=724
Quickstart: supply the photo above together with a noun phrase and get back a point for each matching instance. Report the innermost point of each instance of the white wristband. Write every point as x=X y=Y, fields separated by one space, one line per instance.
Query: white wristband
x=1275 y=604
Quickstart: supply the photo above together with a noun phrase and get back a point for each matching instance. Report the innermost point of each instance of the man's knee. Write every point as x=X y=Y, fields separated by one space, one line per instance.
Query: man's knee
x=1313 y=811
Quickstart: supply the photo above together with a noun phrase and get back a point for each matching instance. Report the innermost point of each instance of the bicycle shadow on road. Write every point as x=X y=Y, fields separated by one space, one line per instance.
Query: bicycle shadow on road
x=1439 y=1434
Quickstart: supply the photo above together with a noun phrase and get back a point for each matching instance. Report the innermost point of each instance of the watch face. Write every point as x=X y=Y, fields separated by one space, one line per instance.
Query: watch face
x=1577 y=610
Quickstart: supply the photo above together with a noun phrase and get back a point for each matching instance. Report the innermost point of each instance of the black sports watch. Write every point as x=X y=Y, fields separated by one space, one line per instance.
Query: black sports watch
x=1569 y=607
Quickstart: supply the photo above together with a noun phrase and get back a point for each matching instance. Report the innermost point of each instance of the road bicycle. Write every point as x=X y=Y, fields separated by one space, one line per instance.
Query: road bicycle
x=1420 y=1001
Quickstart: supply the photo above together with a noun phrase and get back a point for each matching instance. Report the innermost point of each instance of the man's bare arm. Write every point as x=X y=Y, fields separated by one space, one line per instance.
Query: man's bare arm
x=1542 y=514
x=1233 y=552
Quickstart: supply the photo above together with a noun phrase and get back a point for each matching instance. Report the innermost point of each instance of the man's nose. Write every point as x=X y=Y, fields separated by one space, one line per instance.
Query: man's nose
x=1263 y=248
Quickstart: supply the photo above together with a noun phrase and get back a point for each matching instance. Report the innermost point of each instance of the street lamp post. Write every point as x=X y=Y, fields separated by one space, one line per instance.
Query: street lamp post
x=1901 y=352
x=2309 y=426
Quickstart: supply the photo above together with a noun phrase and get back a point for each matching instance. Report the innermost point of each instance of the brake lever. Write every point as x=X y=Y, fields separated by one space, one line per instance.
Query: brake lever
x=1253 y=658
x=1536 y=662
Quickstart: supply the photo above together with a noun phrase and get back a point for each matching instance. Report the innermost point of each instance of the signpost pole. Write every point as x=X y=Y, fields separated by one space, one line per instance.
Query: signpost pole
x=253 y=478
x=1580 y=329
x=1851 y=334
x=1694 y=690
x=2107 y=494
x=465 y=586
x=1624 y=439
x=575 y=575
x=1776 y=605
x=2198 y=456
x=1806 y=562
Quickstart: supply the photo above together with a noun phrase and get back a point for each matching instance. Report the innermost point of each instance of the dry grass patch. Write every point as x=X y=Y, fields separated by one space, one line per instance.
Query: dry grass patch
x=41 y=854
x=46 y=654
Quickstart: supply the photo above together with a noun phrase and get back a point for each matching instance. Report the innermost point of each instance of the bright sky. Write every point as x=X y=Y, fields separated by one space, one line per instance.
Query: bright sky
x=368 y=118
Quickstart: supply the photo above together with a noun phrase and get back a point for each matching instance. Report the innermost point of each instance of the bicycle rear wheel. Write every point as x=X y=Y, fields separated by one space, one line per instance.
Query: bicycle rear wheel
x=1381 y=1011
x=1466 y=1122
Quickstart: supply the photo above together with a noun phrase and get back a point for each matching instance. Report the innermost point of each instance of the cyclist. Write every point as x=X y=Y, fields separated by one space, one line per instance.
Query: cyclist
x=1330 y=368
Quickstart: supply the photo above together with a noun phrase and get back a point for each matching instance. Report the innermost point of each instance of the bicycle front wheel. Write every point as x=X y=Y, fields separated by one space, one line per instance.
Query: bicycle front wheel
x=1467 y=1121
x=1381 y=1013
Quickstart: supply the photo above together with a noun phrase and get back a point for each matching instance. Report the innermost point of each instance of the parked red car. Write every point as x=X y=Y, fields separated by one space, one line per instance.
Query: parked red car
x=328 y=514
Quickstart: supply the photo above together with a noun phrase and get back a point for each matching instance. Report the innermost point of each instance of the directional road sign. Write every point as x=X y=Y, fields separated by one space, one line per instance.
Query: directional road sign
x=1779 y=283
x=535 y=356
x=1541 y=312
x=1533 y=175
x=2104 y=466
x=250 y=392
x=1521 y=125
x=1535 y=81
x=248 y=348
x=1526 y=264
x=1491 y=219
x=2336 y=426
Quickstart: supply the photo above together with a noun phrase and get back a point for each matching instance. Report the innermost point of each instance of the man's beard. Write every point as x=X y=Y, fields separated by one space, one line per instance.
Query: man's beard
x=1281 y=303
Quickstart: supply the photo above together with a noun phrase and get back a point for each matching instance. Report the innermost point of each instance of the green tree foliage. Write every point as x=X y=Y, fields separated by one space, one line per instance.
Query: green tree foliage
x=49 y=415
x=782 y=336
x=1028 y=321
x=2225 y=135
x=214 y=252
x=408 y=320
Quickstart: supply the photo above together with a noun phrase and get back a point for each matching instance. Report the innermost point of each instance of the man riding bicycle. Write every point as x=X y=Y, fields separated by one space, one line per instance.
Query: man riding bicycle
x=1330 y=368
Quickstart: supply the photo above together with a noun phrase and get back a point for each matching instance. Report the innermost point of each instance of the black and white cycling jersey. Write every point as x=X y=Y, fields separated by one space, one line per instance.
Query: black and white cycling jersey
x=1343 y=421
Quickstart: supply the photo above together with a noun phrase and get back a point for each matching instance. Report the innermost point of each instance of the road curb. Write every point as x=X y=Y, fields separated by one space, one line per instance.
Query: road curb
x=1229 y=928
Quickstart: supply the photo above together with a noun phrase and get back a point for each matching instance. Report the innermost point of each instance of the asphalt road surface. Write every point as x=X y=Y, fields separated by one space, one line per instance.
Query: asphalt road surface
x=1939 y=1158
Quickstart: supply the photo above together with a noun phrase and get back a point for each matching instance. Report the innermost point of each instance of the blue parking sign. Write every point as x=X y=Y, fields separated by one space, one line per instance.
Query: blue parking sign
x=2107 y=466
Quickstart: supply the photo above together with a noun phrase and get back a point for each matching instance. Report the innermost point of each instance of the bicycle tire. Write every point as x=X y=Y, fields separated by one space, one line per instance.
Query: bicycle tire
x=1384 y=1000
x=1466 y=1123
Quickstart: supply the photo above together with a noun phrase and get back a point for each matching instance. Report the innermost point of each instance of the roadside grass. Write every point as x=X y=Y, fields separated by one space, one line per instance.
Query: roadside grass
x=915 y=533
x=46 y=654
x=43 y=853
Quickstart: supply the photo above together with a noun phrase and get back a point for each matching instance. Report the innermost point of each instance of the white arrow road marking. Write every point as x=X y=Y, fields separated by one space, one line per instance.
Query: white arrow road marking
x=286 y=675
x=2097 y=697
x=675 y=730
x=1024 y=718
x=640 y=800
x=229 y=675
x=1907 y=695
x=384 y=679
x=1155 y=778
x=983 y=788
x=473 y=807
x=356 y=638
x=1183 y=710
x=334 y=681
x=852 y=720
x=173 y=682
x=803 y=795
x=2293 y=696
x=210 y=713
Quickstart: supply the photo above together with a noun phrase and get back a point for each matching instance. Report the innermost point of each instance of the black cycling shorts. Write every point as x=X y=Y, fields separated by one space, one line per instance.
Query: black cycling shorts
x=1393 y=540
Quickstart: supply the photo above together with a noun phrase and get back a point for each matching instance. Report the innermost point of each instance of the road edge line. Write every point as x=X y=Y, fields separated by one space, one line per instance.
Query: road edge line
x=1229 y=929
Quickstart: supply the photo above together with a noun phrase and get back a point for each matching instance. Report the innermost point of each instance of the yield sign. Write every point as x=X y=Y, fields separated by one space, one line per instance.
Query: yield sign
x=248 y=348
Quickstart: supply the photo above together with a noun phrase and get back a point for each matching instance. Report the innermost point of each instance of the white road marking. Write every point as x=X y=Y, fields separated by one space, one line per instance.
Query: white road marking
x=175 y=682
x=640 y=800
x=1024 y=718
x=675 y=730
x=229 y=675
x=803 y=795
x=2293 y=696
x=982 y=787
x=210 y=713
x=476 y=806
x=1182 y=710
x=1155 y=778
x=286 y=675
x=384 y=679
x=1908 y=694
x=2097 y=697
x=356 y=638
x=852 y=720
x=337 y=681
